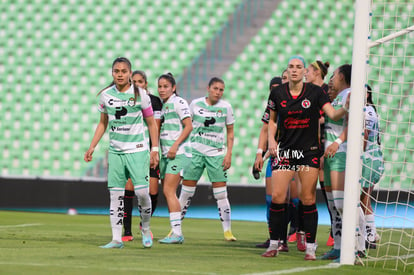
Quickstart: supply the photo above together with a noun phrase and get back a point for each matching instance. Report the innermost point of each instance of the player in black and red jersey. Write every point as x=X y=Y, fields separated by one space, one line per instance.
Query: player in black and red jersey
x=296 y=107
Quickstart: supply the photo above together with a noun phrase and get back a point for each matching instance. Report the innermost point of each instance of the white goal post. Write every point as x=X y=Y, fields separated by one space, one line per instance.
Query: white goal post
x=359 y=80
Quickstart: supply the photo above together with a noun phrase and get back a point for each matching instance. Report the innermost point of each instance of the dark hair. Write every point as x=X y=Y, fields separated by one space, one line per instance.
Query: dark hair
x=369 y=97
x=371 y=103
x=323 y=67
x=346 y=71
x=275 y=80
x=141 y=73
x=170 y=78
x=118 y=60
x=214 y=80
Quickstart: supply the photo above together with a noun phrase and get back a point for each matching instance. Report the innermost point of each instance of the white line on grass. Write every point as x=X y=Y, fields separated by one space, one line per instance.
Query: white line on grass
x=297 y=269
x=142 y=269
x=19 y=225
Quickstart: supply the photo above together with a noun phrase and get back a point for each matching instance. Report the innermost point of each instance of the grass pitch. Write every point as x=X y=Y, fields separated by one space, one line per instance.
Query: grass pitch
x=39 y=243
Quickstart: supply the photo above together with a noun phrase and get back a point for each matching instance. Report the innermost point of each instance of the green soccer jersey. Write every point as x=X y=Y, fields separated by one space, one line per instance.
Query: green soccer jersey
x=333 y=129
x=173 y=112
x=125 y=119
x=209 y=126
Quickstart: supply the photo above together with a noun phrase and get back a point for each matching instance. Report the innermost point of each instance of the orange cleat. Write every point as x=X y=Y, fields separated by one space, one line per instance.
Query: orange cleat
x=127 y=238
x=330 y=241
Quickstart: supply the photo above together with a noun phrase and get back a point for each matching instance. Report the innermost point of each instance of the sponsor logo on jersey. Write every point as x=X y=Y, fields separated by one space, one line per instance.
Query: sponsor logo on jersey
x=283 y=103
x=294 y=123
x=111 y=101
x=139 y=145
x=271 y=104
x=306 y=103
x=120 y=129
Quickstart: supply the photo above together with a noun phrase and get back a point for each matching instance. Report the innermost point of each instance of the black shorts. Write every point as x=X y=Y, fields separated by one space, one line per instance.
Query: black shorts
x=155 y=173
x=296 y=160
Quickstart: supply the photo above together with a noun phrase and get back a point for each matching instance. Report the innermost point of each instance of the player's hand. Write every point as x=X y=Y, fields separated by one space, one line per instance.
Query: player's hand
x=258 y=163
x=154 y=159
x=331 y=150
x=172 y=152
x=274 y=151
x=88 y=154
x=226 y=162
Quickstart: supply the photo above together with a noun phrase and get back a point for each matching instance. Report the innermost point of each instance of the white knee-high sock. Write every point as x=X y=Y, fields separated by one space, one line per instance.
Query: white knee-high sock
x=175 y=221
x=116 y=212
x=186 y=195
x=144 y=205
x=223 y=205
x=338 y=197
x=371 y=229
x=360 y=228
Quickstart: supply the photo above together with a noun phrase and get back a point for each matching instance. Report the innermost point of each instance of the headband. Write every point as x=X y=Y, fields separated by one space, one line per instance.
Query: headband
x=298 y=57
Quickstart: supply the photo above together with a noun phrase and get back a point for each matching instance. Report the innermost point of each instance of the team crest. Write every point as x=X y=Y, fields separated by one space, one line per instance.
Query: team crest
x=219 y=113
x=131 y=101
x=306 y=103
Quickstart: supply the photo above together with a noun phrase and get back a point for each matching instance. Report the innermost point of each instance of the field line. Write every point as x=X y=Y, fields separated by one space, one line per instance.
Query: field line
x=297 y=269
x=19 y=225
x=142 y=269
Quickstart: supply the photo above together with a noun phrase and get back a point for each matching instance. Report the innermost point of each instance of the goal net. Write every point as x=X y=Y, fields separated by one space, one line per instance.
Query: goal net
x=390 y=75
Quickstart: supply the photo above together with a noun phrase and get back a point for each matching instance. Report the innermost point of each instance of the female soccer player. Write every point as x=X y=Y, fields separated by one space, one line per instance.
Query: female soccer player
x=139 y=79
x=176 y=127
x=296 y=107
x=372 y=167
x=123 y=108
x=315 y=74
x=335 y=156
x=213 y=123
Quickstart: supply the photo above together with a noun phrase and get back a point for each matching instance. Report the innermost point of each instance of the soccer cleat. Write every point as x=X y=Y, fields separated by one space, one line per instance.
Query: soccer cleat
x=147 y=239
x=263 y=245
x=127 y=238
x=301 y=241
x=370 y=245
x=331 y=254
x=330 y=241
x=113 y=244
x=270 y=253
x=283 y=247
x=311 y=251
x=228 y=236
x=292 y=238
x=172 y=239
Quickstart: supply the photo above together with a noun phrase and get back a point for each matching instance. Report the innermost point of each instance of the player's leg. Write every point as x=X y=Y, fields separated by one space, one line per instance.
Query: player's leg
x=153 y=188
x=309 y=177
x=138 y=168
x=191 y=175
x=268 y=198
x=116 y=186
x=278 y=208
x=330 y=240
x=128 y=204
x=171 y=179
x=218 y=177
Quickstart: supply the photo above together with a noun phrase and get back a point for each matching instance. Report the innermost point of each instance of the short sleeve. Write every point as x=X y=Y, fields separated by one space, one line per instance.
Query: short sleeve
x=323 y=98
x=230 y=115
x=101 y=105
x=182 y=108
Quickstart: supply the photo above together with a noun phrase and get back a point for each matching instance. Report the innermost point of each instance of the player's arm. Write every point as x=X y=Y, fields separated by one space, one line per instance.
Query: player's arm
x=333 y=148
x=154 y=135
x=99 y=132
x=188 y=127
x=333 y=114
x=262 y=146
x=230 y=141
x=271 y=133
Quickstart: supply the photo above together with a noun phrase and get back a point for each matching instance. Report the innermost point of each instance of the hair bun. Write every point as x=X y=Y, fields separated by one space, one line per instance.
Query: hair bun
x=327 y=64
x=170 y=74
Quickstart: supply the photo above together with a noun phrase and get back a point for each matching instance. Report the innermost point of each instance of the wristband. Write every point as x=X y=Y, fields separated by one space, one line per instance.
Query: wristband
x=155 y=149
x=259 y=151
x=346 y=109
x=339 y=141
